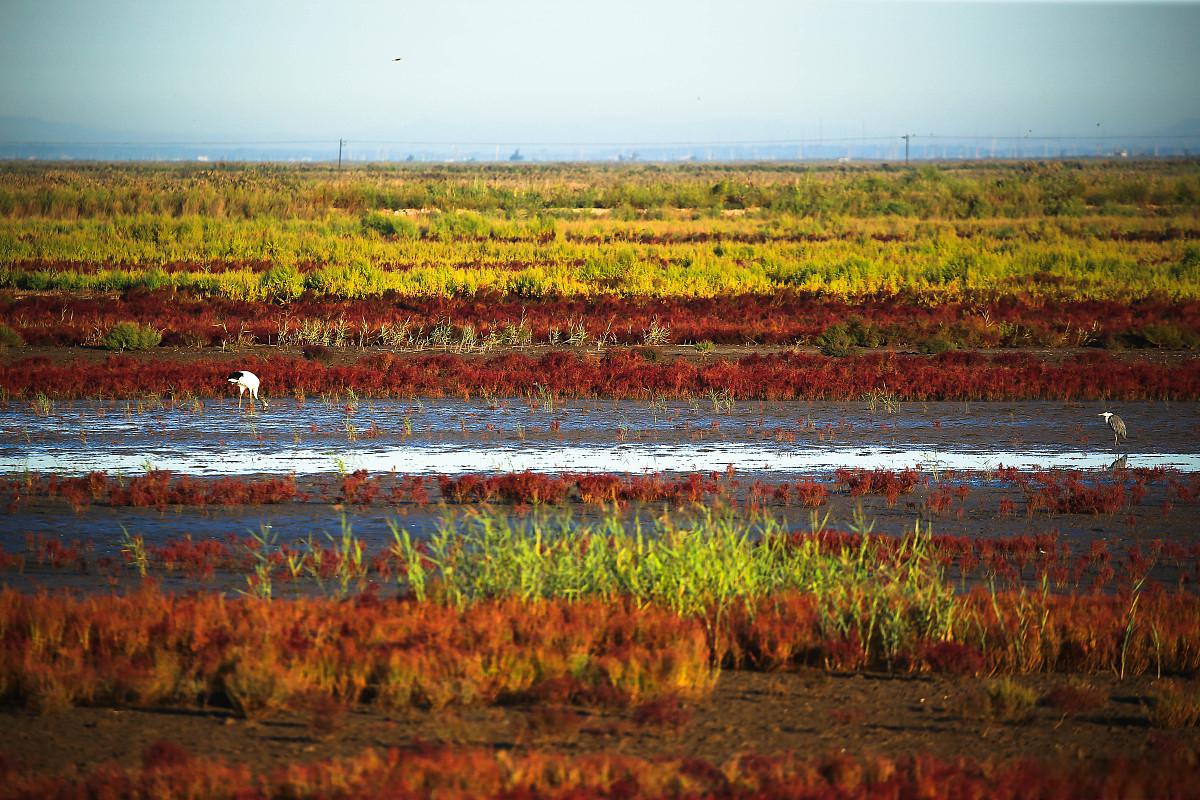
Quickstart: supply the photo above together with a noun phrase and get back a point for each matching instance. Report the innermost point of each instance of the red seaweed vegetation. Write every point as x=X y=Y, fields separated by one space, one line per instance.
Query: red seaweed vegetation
x=156 y=488
x=1047 y=491
x=1031 y=559
x=779 y=318
x=805 y=492
x=1187 y=492
x=532 y=488
x=1025 y=632
x=467 y=773
x=255 y=655
x=48 y=551
x=884 y=482
x=630 y=374
x=525 y=488
x=159 y=489
x=1065 y=492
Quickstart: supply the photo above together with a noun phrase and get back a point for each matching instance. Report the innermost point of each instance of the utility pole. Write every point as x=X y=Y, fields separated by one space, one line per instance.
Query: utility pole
x=341 y=143
x=906 y=137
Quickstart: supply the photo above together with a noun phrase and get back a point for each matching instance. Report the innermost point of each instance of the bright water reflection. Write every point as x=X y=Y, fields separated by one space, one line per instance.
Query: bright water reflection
x=453 y=437
x=632 y=458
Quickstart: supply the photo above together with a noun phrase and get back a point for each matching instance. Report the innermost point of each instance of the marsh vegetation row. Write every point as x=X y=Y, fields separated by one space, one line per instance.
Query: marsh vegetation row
x=947 y=191
x=618 y=373
x=344 y=259
x=1104 y=232
x=487 y=323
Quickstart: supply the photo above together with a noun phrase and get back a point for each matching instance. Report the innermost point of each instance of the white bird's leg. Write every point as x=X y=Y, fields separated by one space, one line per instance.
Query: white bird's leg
x=241 y=391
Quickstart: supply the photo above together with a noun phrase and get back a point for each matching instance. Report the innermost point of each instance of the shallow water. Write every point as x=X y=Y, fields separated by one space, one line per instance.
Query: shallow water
x=767 y=441
x=770 y=439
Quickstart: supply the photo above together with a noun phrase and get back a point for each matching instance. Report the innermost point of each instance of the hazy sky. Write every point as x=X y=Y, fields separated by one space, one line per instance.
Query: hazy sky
x=598 y=71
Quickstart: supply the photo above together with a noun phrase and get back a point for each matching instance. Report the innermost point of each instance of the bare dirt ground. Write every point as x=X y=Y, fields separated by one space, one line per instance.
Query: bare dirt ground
x=809 y=712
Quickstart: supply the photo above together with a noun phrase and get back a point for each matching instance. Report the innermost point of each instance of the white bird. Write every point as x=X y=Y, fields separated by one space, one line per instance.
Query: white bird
x=1118 y=426
x=247 y=382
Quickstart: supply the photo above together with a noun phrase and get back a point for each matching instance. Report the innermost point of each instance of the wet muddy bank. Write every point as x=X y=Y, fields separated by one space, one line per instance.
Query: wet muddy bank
x=807 y=711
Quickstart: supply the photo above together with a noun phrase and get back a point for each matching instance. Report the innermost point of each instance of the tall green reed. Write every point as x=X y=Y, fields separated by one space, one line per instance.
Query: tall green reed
x=700 y=563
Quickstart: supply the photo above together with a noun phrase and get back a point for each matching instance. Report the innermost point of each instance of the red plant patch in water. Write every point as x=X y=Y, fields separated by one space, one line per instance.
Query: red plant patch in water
x=879 y=481
x=154 y=489
x=1068 y=494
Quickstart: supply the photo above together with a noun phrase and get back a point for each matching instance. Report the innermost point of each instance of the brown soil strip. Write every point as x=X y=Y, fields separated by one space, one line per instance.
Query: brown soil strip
x=809 y=712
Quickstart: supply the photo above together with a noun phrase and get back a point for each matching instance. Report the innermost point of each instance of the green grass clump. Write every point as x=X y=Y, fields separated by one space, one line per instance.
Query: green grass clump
x=700 y=564
x=1004 y=700
x=9 y=337
x=836 y=341
x=131 y=336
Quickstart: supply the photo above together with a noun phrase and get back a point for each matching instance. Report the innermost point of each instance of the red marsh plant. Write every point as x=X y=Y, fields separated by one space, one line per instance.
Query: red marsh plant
x=623 y=374
x=879 y=481
x=469 y=773
x=1175 y=704
x=255 y=655
x=522 y=488
x=1075 y=697
x=780 y=318
x=1049 y=492
x=646 y=617
x=152 y=489
x=1024 y=633
x=806 y=492
x=1069 y=495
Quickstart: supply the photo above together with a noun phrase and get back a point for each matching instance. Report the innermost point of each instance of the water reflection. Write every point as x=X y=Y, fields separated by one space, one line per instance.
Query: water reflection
x=454 y=437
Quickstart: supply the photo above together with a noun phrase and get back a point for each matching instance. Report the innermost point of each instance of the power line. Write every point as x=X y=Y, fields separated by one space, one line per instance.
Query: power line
x=628 y=143
x=688 y=143
x=1085 y=137
x=952 y=147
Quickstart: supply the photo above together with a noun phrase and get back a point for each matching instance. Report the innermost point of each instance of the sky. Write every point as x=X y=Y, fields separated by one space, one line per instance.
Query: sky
x=612 y=71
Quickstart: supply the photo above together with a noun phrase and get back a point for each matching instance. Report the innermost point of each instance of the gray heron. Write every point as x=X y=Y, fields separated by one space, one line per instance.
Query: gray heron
x=247 y=382
x=1118 y=427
